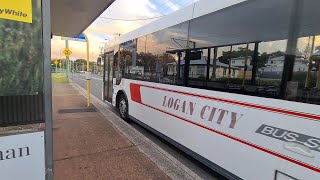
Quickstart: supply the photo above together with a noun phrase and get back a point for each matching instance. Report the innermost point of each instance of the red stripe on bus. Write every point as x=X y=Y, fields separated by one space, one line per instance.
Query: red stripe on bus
x=135 y=92
x=242 y=141
x=255 y=106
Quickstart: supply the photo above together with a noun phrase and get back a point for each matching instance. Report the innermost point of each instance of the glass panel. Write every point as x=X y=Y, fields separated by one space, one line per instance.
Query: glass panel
x=305 y=83
x=21 y=68
x=21 y=55
x=198 y=65
x=221 y=65
x=117 y=65
x=110 y=79
x=270 y=67
x=182 y=59
x=241 y=66
x=108 y=76
x=129 y=59
x=168 y=68
x=153 y=59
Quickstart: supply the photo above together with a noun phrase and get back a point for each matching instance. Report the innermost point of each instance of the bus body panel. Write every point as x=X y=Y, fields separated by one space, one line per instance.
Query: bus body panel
x=249 y=136
x=251 y=140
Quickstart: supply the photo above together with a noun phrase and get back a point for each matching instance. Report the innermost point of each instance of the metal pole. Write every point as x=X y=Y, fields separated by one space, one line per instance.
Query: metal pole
x=88 y=69
x=47 y=87
x=307 y=83
x=229 y=68
x=245 y=67
x=67 y=58
x=318 y=78
x=293 y=35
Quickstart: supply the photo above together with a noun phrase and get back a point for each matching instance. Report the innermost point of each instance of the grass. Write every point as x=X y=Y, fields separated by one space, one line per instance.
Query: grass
x=59 y=77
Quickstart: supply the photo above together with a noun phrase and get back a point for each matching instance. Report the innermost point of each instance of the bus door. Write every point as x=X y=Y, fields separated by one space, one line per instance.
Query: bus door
x=107 y=76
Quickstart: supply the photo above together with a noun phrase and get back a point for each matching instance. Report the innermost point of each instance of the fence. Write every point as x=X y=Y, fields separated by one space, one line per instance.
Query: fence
x=20 y=110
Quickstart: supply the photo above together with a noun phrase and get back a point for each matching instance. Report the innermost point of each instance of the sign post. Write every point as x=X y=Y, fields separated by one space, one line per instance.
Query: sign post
x=56 y=63
x=82 y=38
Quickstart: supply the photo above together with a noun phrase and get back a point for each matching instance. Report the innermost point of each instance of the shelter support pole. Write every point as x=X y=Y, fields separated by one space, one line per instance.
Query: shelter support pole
x=88 y=70
x=47 y=87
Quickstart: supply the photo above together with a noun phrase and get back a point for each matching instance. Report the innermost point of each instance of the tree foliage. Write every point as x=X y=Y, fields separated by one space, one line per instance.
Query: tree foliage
x=147 y=60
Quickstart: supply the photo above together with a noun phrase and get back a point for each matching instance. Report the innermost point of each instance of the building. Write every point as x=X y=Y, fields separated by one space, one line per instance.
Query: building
x=240 y=61
x=275 y=64
x=198 y=69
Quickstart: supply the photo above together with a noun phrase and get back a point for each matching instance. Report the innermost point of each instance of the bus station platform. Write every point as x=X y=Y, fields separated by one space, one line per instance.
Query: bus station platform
x=87 y=146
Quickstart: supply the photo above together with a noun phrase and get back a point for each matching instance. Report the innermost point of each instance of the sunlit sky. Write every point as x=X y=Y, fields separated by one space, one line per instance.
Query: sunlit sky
x=103 y=29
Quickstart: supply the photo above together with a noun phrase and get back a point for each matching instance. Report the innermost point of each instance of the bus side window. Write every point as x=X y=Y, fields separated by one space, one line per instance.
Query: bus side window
x=270 y=64
x=231 y=67
x=128 y=61
x=219 y=67
x=305 y=83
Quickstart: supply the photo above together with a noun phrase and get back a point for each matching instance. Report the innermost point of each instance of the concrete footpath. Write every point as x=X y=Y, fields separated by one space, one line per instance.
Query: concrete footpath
x=88 y=146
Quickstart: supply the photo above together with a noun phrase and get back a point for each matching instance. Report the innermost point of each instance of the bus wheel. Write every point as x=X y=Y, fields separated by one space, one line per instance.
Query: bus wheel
x=123 y=108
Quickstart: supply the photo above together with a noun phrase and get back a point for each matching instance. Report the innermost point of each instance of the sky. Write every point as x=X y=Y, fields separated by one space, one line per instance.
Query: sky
x=103 y=29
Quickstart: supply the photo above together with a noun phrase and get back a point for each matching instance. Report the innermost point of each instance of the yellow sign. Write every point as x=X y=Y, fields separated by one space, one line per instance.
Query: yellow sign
x=55 y=62
x=67 y=52
x=17 y=10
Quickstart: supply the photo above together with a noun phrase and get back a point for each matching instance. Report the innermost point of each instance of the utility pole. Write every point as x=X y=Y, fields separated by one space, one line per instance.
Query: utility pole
x=56 y=67
x=101 y=56
x=67 y=58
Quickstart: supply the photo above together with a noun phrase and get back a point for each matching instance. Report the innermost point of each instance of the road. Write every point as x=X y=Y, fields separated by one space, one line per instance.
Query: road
x=96 y=83
x=197 y=167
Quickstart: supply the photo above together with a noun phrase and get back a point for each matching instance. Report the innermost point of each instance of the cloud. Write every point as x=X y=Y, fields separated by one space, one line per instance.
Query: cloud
x=102 y=29
x=172 y=6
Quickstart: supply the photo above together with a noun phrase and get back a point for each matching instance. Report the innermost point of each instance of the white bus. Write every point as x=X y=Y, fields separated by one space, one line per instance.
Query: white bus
x=238 y=120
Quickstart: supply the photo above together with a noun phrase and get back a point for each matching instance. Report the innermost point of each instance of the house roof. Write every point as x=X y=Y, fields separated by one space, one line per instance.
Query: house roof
x=242 y=58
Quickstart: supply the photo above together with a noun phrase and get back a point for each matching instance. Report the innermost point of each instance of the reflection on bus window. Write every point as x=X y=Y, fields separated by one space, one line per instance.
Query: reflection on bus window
x=181 y=59
x=220 y=68
x=198 y=64
x=305 y=84
x=270 y=65
x=241 y=61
